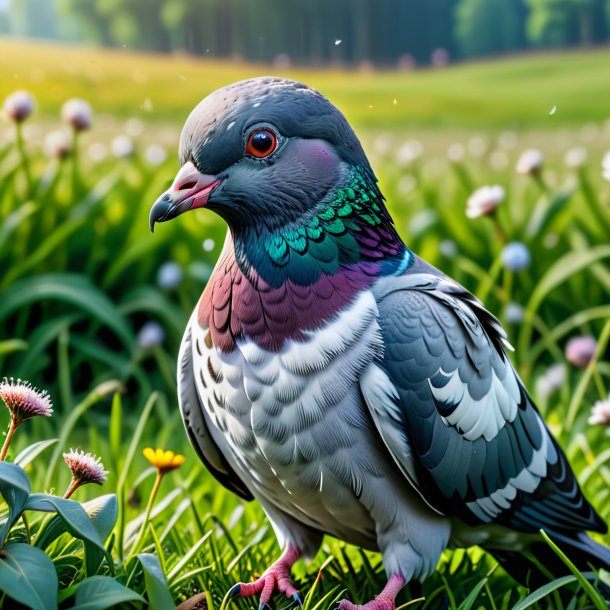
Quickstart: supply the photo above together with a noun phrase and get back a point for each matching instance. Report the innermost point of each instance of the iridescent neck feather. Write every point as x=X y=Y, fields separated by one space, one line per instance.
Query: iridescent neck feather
x=273 y=286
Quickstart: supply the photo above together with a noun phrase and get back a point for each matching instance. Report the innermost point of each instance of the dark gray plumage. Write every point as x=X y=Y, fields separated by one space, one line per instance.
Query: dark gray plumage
x=344 y=383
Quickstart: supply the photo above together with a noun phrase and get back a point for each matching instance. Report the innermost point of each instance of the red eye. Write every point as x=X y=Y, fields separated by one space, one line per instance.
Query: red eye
x=261 y=143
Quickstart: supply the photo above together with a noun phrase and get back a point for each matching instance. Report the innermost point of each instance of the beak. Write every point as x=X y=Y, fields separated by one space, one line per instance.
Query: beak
x=191 y=189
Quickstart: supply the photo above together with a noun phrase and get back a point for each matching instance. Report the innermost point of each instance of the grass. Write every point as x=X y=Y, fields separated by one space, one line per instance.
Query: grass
x=79 y=283
x=515 y=92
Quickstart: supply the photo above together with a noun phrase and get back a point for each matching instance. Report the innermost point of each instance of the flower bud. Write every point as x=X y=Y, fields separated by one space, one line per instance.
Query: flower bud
x=484 y=201
x=516 y=256
x=18 y=106
x=77 y=113
x=530 y=161
x=581 y=350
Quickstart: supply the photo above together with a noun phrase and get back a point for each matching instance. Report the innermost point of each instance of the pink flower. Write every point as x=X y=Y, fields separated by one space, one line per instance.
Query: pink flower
x=77 y=112
x=580 y=351
x=530 y=161
x=19 y=105
x=85 y=468
x=23 y=400
x=600 y=413
x=484 y=201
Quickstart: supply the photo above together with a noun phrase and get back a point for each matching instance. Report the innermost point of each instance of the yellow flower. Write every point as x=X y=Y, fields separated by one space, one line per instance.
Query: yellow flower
x=163 y=461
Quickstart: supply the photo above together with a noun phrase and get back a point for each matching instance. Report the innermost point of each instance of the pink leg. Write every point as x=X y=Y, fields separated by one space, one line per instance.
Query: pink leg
x=277 y=577
x=384 y=601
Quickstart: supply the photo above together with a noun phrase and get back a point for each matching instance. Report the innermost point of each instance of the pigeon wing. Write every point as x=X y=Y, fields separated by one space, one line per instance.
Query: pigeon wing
x=456 y=417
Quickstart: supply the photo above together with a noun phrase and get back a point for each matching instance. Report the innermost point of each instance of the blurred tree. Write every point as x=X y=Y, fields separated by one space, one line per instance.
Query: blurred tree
x=36 y=18
x=318 y=31
x=483 y=27
x=566 y=22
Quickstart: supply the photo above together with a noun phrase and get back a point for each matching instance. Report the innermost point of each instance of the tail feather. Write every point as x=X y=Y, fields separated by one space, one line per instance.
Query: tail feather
x=583 y=551
x=543 y=564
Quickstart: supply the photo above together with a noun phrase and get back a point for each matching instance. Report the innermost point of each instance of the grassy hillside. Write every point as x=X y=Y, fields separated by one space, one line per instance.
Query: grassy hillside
x=516 y=92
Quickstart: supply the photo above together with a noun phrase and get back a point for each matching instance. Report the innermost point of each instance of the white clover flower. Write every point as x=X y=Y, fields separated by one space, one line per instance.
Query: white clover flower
x=383 y=144
x=448 y=248
x=581 y=350
x=600 y=413
x=606 y=166
x=498 y=160
x=484 y=201
x=409 y=152
x=24 y=401
x=57 y=144
x=122 y=147
x=477 y=146
x=151 y=335
x=77 y=113
x=456 y=152
x=134 y=127
x=18 y=106
x=170 y=275
x=97 y=152
x=508 y=140
x=530 y=161
x=575 y=157
x=516 y=256
x=514 y=313
x=552 y=380
x=155 y=154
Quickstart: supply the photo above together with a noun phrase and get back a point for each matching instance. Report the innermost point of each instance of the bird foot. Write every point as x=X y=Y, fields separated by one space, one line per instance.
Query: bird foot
x=381 y=602
x=384 y=601
x=275 y=578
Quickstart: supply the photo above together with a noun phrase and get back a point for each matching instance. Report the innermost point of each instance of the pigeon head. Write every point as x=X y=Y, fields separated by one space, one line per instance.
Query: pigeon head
x=262 y=153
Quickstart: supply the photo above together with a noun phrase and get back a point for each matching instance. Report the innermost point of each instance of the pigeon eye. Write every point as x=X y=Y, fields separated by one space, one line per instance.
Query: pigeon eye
x=261 y=143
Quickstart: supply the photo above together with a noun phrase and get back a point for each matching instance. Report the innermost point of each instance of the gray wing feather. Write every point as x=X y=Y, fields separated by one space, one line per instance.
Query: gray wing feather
x=477 y=447
x=196 y=426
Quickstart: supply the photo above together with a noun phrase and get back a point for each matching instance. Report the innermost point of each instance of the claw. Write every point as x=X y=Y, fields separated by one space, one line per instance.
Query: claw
x=296 y=602
x=234 y=590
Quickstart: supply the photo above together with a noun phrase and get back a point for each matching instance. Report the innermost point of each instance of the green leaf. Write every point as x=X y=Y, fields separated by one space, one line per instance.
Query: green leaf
x=31 y=452
x=472 y=596
x=73 y=289
x=589 y=589
x=15 y=489
x=12 y=222
x=28 y=576
x=545 y=212
x=103 y=512
x=100 y=592
x=12 y=345
x=563 y=268
x=543 y=592
x=72 y=513
x=159 y=596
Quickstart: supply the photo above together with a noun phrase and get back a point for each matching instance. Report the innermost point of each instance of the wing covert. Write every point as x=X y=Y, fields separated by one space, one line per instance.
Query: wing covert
x=477 y=447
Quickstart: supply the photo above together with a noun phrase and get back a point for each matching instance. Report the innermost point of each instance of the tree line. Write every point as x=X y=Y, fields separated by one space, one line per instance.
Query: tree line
x=381 y=32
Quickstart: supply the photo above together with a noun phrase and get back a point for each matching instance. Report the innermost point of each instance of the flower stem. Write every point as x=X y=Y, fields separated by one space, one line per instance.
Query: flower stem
x=74 y=485
x=74 y=163
x=9 y=435
x=151 y=500
x=24 y=159
x=499 y=229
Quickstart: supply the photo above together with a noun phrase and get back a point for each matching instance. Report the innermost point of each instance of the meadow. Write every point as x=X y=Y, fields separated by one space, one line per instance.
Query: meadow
x=92 y=307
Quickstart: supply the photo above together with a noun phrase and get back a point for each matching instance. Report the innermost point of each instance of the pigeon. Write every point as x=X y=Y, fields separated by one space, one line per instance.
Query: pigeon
x=347 y=385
